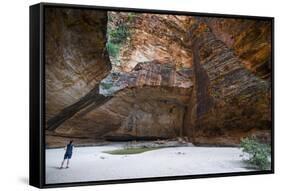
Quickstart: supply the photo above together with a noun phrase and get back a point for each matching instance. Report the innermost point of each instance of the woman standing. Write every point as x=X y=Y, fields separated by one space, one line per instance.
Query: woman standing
x=68 y=153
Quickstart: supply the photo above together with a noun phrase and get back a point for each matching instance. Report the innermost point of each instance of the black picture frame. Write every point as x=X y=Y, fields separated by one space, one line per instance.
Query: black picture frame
x=37 y=96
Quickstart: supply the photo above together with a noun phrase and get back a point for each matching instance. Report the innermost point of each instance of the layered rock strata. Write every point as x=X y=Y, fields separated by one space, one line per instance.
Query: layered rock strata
x=150 y=106
x=76 y=59
x=229 y=102
x=207 y=79
x=249 y=39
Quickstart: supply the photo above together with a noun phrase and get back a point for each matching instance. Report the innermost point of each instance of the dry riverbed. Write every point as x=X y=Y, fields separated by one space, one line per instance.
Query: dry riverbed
x=94 y=164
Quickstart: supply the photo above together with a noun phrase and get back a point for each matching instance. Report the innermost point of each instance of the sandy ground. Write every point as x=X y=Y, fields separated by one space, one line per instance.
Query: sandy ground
x=91 y=164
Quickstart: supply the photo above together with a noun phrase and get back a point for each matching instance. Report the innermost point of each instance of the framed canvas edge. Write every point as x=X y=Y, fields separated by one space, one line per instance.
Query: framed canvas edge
x=35 y=97
x=39 y=169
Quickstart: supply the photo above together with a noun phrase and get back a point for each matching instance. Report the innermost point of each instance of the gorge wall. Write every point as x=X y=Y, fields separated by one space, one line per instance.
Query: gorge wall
x=76 y=59
x=132 y=76
x=229 y=101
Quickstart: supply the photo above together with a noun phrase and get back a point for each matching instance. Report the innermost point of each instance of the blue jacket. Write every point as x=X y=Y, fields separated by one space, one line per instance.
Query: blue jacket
x=69 y=148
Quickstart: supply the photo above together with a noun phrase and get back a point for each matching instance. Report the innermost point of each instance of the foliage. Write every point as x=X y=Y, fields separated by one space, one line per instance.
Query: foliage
x=116 y=38
x=106 y=85
x=118 y=35
x=113 y=49
x=259 y=153
x=131 y=16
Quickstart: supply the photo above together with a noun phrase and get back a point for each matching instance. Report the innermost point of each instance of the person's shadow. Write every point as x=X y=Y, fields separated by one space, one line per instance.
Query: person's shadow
x=55 y=167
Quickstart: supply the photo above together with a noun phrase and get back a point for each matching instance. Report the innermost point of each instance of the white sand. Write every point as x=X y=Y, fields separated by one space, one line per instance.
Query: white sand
x=91 y=164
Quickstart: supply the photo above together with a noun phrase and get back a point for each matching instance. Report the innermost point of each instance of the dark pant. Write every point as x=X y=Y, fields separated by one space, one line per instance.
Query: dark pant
x=67 y=155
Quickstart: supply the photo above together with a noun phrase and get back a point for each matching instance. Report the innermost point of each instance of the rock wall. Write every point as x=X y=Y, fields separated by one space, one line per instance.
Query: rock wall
x=76 y=58
x=204 y=78
x=147 y=107
x=151 y=37
x=229 y=102
x=249 y=39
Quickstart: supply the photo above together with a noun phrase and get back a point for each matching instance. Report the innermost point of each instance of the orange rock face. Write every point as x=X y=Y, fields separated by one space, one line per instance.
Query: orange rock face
x=75 y=60
x=229 y=102
x=249 y=39
x=151 y=105
x=204 y=78
x=153 y=37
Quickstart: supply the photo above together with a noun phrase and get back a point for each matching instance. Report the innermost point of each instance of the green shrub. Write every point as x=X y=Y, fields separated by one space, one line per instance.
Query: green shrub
x=117 y=37
x=119 y=34
x=106 y=85
x=113 y=49
x=259 y=153
x=131 y=16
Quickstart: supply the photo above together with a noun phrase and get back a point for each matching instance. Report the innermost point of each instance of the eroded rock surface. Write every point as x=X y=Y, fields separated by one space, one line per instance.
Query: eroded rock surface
x=152 y=37
x=150 y=106
x=249 y=39
x=204 y=78
x=228 y=102
x=76 y=58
